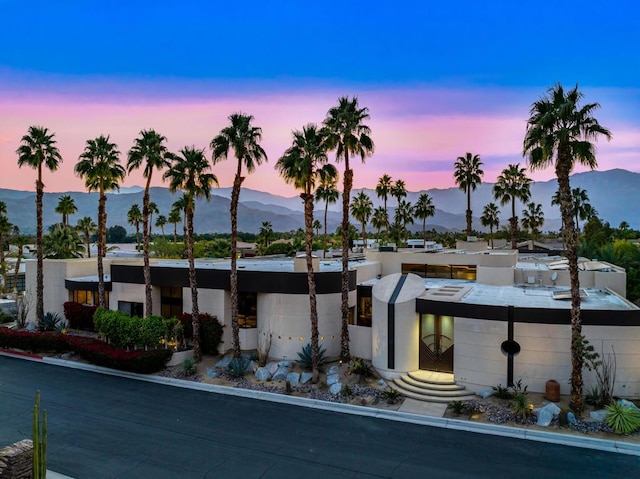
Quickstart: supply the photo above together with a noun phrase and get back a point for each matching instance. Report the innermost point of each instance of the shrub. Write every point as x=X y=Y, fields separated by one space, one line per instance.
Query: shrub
x=346 y=390
x=210 y=331
x=189 y=367
x=361 y=367
x=520 y=406
x=238 y=367
x=305 y=357
x=458 y=407
x=52 y=322
x=79 y=316
x=391 y=395
x=502 y=392
x=622 y=419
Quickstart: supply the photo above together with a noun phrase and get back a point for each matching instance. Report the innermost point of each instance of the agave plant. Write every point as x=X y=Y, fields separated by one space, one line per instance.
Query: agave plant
x=622 y=419
x=305 y=357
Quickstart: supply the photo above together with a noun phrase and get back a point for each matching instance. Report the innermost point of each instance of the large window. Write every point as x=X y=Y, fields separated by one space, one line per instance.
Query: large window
x=247 y=310
x=419 y=269
x=443 y=271
x=171 y=301
x=11 y=287
x=132 y=309
x=364 y=306
x=88 y=297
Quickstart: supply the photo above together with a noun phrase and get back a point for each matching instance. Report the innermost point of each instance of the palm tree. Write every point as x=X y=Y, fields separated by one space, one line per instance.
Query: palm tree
x=580 y=200
x=589 y=212
x=20 y=242
x=327 y=191
x=5 y=229
x=300 y=166
x=100 y=167
x=383 y=190
x=38 y=148
x=361 y=209
x=424 y=209
x=533 y=218
x=349 y=136
x=66 y=206
x=399 y=190
x=134 y=216
x=87 y=226
x=63 y=242
x=189 y=172
x=148 y=151
x=160 y=222
x=266 y=233
x=244 y=139
x=512 y=184
x=153 y=209
x=559 y=134
x=490 y=218
x=403 y=216
x=181 y=205
x=317 y=226
x=380 y=219
x=174 y=219
x=468 y=175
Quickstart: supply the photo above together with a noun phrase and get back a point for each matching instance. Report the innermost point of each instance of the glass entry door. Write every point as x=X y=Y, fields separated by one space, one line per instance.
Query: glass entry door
x=436 y=343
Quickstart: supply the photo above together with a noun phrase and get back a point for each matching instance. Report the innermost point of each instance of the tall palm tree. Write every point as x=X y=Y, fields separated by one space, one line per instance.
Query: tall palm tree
x=149 y=152
x=490 y=217
x=244 y=139
x=383 y=190
x=468 y=175
x=349 y=136
x=38 y=148
x=300 y=166
x=559 y=134
x=399 y=190
x=175 y=218
x=180 y=205
x=100 y=167
x=317 y=226
x=424 y=209
x=533 y=218
x=327 y=191
x=62 y=242
x=66 y=206
x=134 y=216
x=512 y=184
x=87 y=226
x=580 y=200
x=189 y=172
x=160 y=222
x=361 y=209
x=403 y=216
x=153 y=209
x=380 y=219
x=266 y=233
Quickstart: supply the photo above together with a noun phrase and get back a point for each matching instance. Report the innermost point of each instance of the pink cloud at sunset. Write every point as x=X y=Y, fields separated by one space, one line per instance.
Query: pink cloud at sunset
x=418 y=132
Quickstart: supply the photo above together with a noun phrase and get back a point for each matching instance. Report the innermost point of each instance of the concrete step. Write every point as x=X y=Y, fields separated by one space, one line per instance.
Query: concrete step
x=430 y=398
x=452 y=386
x=431 y=386
x=451 y=393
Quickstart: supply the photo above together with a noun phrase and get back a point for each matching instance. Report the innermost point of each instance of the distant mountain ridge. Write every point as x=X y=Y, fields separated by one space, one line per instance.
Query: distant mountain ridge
x=610 y=192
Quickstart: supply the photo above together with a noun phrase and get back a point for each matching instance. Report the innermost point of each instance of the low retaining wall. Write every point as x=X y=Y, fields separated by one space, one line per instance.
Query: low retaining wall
x=18 y=460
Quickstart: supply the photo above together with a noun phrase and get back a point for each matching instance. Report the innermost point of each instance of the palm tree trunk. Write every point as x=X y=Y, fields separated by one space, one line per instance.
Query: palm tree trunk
x=324 y=246
x=175 y=233
x=146 y=269
x=102 y=246
x=313 y=307
x=17 y=270
x=3 y=264
x=345 y=354
x=87 y=240
x=514 y=224
x=39 y=249
x=468 y=214
x=424 y=233
x=491 y=234
x=195 y=313
x=233 y=279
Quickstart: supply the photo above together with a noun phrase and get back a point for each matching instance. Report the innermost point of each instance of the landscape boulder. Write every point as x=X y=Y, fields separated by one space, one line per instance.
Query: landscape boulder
x=335 y=388
x=262 y=374
x=332 y=379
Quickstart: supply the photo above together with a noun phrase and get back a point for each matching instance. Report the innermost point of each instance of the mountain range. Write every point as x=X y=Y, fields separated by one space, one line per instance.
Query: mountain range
x=612 y=193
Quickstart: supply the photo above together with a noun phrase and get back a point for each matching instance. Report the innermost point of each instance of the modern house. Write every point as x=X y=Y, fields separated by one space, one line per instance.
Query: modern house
x=486 y=316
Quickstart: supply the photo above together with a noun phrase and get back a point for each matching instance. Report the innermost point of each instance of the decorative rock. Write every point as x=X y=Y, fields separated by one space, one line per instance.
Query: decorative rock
x=555 y=410
x=335 y=388
x=284 y=364
x=333 y=379
x=293 y=379
x=252 y=365
x=333 y=370
x=280 y=374
x=212 y=373
x=544 y=417
x=305 y=377
x=624 y=402
x=262 y=374
x=224 y=362
x=272 y=367
x=571 y=418
x=599 y=415
x=382 y=383
x=486 y=393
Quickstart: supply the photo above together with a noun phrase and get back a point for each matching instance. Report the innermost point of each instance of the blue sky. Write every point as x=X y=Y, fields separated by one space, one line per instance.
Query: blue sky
x=418 y=64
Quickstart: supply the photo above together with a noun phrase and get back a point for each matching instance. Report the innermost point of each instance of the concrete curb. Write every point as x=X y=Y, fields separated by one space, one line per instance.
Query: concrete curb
x=454 y=424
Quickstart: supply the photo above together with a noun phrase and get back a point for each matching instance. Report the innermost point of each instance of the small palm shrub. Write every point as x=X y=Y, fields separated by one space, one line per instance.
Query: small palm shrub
x=189 y=367
x=502 y=392
x=391 y=395
x=520 y=406
x=305 y=357
x=622 y=419
x=361 y=367
x=52 y=322
x=346 y=390
x=238 y=367
x=458 y=407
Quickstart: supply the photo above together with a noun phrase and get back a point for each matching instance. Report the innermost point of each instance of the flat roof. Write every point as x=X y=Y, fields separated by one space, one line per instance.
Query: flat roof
x=268 y=265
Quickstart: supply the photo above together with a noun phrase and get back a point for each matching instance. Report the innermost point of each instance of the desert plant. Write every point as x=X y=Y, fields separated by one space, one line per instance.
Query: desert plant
x=391 y=395
x=264 y=347
x=502 y=392
x=39 y=441
x=518 y=388
x=604 y=367
x=189 y=367
x=24 y=306
x=305 y=357
x=622 y=419
x=52 y=322
x=361 y=367
x=287 y=387
x=594 y=397
x=238 y=367
x=458 y=407
x=520 y=406
x=346 y=390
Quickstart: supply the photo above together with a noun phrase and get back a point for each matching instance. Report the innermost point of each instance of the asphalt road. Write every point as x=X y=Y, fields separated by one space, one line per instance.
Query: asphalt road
x=111 y=427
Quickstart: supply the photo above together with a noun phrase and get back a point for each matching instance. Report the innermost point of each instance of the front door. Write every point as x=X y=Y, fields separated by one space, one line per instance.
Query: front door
x=436 y=343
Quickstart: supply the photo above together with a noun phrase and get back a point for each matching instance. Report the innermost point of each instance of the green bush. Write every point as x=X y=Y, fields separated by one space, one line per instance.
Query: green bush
x=391 y=395
x=189 y=367
x=123 y=330
x=458 y=407
x=622 y=419
x=520 y=406
x=502 y=392
x=238 y=367
x=361 y=367
x=305 y=357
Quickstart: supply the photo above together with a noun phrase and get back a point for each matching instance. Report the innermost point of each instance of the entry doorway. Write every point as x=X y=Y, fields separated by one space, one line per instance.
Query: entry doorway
x=436 y=343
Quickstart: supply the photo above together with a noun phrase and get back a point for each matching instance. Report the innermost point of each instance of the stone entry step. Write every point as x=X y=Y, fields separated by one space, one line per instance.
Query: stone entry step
x=431 y=386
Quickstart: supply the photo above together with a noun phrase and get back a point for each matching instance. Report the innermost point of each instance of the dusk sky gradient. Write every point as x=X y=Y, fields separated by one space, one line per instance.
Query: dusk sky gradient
x=439 y=78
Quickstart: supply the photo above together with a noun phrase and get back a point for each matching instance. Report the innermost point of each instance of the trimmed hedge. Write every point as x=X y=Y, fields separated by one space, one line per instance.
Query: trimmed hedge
x=79 y=316
x=123 y=330
x=93 y=350
x=210 y=331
